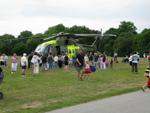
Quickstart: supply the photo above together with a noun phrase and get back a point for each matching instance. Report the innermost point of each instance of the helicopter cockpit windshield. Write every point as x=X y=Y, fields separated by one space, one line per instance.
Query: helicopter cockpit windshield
x=40 y=48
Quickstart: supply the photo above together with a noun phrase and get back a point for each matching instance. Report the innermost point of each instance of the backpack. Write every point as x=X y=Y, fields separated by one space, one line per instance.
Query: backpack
x=93 y=68
x=87 y=69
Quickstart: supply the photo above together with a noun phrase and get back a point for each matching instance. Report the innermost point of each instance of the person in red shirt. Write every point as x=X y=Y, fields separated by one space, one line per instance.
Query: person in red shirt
x=147 y=84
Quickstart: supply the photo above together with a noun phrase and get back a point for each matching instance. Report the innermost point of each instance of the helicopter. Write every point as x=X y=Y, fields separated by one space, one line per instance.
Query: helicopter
x=68 y=43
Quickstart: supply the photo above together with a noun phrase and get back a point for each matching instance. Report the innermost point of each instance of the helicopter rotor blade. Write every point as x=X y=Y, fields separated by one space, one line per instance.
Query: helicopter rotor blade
x=88 y=35
x=109 y=35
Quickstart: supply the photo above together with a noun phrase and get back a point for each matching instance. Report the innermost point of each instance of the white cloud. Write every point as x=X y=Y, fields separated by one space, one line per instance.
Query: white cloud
x=38 y=15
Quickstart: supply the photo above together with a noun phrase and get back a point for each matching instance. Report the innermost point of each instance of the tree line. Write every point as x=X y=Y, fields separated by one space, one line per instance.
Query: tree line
x=126 y=41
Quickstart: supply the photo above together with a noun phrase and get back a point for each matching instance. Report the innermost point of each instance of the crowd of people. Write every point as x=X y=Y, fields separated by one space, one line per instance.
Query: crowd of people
x=84 y=63
x=50 y=61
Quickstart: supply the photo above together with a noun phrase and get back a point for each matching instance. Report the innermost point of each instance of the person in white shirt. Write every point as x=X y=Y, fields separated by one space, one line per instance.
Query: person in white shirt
x=24 y=64
x=5 y=59
x=115 y=57
x=56 y=61
x=14 y=63
x=2 y=60
x=86 y=59
x=135 y=61
x=35 y=60
x=130 y=60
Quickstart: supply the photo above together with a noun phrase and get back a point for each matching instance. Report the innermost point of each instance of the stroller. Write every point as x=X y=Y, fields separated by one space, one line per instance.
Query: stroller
x=1 y=79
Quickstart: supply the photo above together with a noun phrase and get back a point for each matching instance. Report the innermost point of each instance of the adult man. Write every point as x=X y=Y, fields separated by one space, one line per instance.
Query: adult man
x=135 y=61
x=80 y=64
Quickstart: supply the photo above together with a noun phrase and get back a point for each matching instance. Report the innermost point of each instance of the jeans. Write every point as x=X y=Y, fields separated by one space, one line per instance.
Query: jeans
x=134 y=67
x=50 y=65
x=44 y=66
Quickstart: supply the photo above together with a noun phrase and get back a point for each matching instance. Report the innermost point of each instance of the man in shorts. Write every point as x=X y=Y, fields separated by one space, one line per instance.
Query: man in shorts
x=80 y=64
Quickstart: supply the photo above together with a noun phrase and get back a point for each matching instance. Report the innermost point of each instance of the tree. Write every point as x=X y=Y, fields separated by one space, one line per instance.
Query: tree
x=25 y=34
x=19 y=48
x=56 y=29
x=7 y=37
x=6 y=43
x=81 y=29
x=127 y=27
x=112 y=30
x=144 y=39
x=124 y=44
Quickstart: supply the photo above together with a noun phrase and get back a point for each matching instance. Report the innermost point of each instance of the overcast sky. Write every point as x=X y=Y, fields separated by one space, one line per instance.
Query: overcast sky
x=38 y=15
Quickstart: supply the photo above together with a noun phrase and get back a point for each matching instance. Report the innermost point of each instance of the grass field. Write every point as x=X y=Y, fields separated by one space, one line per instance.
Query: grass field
x=56 y=89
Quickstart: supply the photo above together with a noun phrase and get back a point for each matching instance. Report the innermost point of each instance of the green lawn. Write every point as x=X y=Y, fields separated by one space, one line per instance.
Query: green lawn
x=56 y=89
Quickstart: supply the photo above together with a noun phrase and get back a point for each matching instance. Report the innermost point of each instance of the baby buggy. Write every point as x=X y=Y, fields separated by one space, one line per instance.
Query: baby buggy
x=1 y=79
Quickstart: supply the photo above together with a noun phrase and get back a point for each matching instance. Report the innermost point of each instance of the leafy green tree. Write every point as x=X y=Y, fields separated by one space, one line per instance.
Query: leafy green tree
x=6 y=37
x=19 y=48
x=25 y=34
x=124 y=44
x=144 y=39
x=56 y=29
x=6 y=44
x=81 y=30
x=112 y=30
x=127 y=27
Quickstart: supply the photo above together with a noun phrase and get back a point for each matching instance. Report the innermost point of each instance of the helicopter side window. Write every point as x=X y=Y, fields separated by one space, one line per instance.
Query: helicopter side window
x=40 y=48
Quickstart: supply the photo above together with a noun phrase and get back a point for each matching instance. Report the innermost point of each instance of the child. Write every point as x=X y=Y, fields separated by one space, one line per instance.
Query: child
x=24 y=64
x=87 y=68
x=147 y=84
x=111 y=63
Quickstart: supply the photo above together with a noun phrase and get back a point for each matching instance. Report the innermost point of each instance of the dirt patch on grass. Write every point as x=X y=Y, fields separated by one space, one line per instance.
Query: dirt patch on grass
x=32 y=105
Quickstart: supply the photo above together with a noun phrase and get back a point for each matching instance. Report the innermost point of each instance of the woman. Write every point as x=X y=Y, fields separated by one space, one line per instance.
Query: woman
x=14 y=63
x=35 y=60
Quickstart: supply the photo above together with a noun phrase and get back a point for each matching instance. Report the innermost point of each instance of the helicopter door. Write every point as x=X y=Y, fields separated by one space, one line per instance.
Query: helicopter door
x=58 y=50
x=47 y=49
